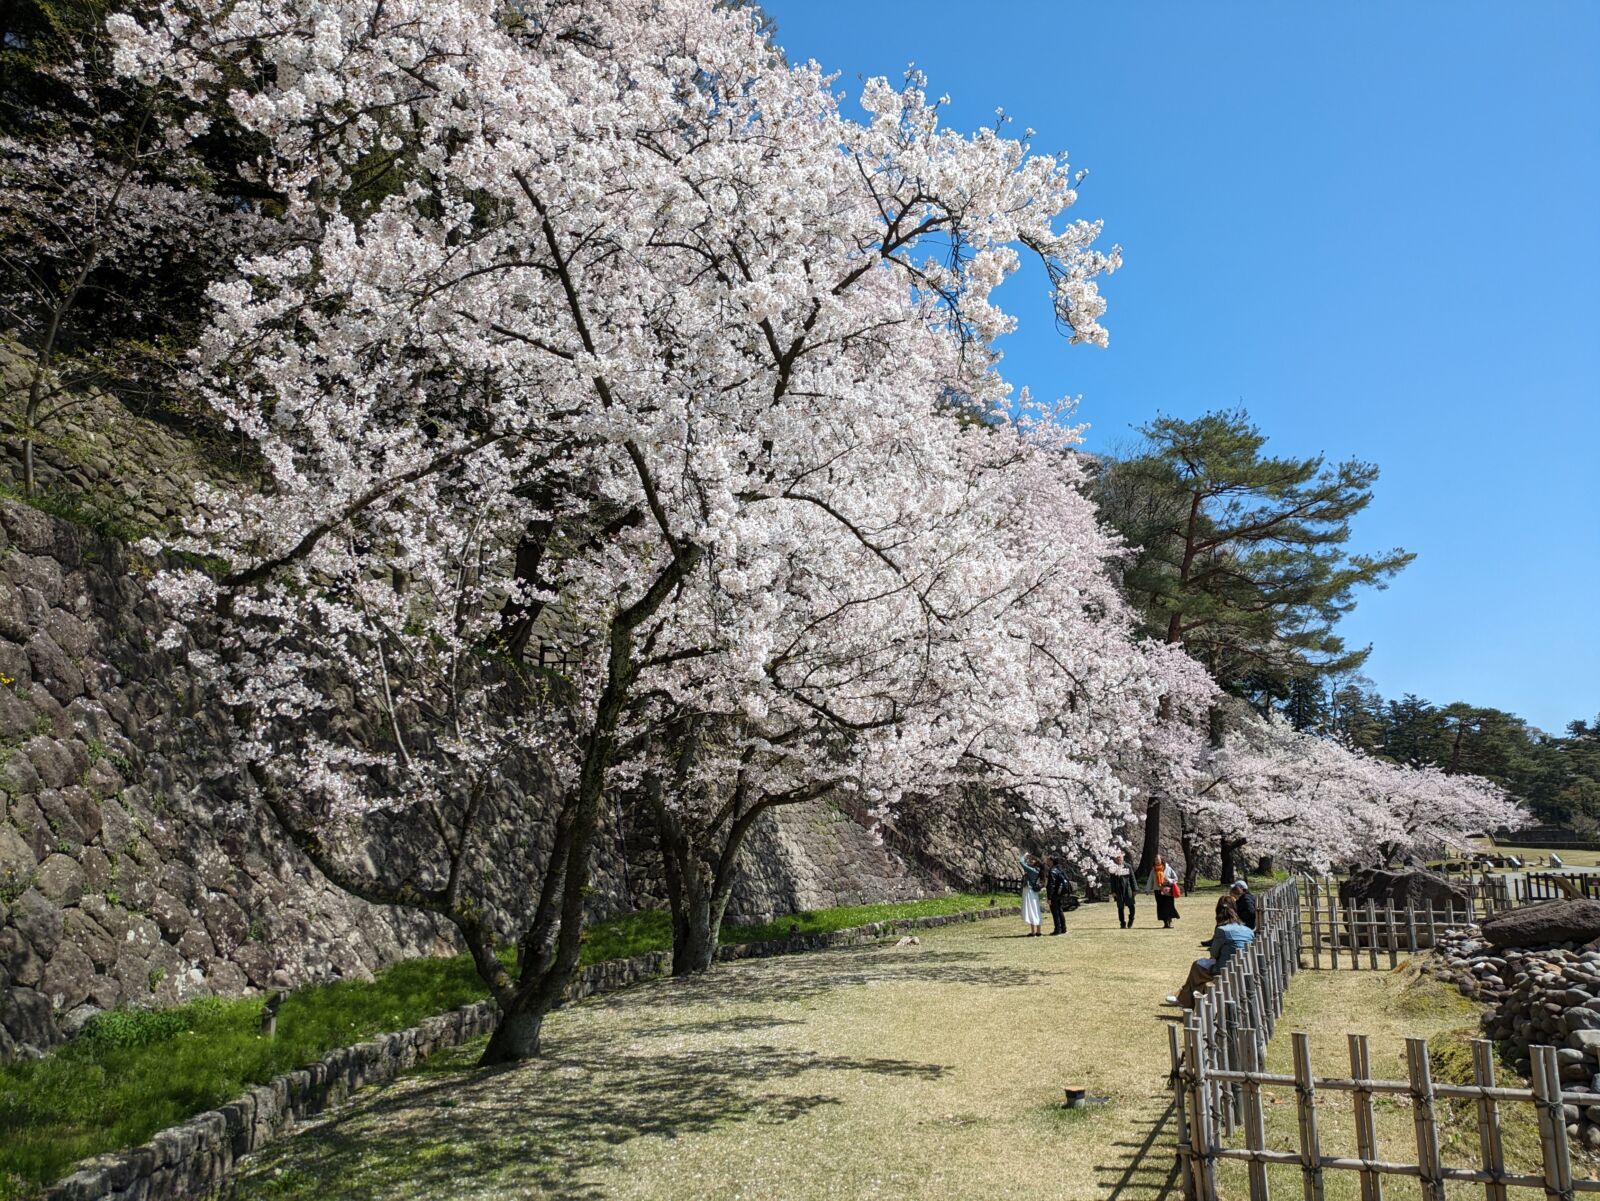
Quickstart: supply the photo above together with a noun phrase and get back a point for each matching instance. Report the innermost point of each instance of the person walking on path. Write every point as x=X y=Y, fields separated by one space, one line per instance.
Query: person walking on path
x=1057 y=889
x=1244 y=902
x=1123 y=891
x=1032 y=873
x=1165 y=885
x=1229 y=936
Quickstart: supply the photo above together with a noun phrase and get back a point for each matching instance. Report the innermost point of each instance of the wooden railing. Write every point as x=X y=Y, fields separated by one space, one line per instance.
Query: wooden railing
x=1221 y=1086
x=1220 y=1090
x=1342 y=934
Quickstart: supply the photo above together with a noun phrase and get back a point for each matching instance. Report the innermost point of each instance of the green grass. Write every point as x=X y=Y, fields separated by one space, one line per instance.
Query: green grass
x=134 y=1072
x=824 y=921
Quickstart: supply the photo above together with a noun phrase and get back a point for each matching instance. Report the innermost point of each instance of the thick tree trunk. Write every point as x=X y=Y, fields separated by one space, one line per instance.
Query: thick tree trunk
x=1191 y=861
x=1230 y=848
x=517 y=1036
x=698 y=902
x=694 y=939
x=696 y=921
x=1152 y=838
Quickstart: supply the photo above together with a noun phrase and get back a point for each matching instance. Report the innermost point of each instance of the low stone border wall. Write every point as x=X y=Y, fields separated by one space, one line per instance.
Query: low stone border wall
x=196 y=1157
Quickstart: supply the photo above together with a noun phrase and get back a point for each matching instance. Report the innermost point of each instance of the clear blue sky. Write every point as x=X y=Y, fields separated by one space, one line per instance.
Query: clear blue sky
x=1376 y=225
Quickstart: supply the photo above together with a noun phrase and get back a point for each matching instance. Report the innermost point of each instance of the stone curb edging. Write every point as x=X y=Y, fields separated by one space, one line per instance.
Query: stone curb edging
x=196 y=1157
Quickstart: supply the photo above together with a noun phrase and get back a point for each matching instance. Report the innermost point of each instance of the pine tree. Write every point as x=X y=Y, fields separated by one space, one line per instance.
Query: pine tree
x=1241 y=556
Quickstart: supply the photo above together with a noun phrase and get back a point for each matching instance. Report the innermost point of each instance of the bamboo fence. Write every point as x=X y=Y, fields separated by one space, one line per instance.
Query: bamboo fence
x=1345 y=934
x=1221 y=1086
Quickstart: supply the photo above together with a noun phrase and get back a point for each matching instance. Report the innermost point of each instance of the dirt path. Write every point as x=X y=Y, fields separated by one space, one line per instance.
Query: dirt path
x=914 y=1073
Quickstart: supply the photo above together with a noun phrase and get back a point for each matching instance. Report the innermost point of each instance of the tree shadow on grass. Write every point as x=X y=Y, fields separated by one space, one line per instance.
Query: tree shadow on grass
x=807 y=977
x=1144 y=1162
x=543 y=1129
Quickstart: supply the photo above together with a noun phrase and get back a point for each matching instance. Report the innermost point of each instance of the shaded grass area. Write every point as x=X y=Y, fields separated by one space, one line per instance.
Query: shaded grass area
x=1388 y=1007
x=931 y=1072
x=134 y=1072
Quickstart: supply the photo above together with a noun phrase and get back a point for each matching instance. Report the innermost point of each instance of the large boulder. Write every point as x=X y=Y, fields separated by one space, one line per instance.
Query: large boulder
x=1575 y=920
x=1409 y=886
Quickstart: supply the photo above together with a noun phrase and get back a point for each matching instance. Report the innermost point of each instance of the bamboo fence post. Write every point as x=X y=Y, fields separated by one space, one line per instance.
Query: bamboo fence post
x=1372 y=936
x=1333 y=928
x=1427 y=1123
x=1366 y=1120
x=1411 y=927
x=1433 y=930
x=1255 y=1017
x=1200 y=1138
x=1219 y=1029
x=1552 y=1124
x=1255 y=1119
x=1230 y=1004
x=1493 y=1153
x=1316 y=928
x=1298 y=934
x=1305 y=1089
x=1186 y=1169
x=1221 y=1089
x=1389 y=932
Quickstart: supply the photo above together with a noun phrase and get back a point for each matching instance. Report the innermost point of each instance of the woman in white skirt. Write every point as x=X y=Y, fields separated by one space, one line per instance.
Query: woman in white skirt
x=1032 y=875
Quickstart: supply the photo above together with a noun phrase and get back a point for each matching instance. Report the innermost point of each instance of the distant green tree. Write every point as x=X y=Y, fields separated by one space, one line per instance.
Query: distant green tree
x=1241 y=557
x=1414 y=732
x=1307 y=705
x=1355 y=713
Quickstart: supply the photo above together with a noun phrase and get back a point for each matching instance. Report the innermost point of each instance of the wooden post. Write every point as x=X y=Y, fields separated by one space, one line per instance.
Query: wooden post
x=1250 y=985
x=1186 y=1166
x=1389 y=932
x=1427 y=1123
x=1411 y=927
x=1493 y=1154
x=1255 y=1119
x=1372 y=936
x=1552 y=1124
x=1200 y=1137
x=1231 y=1021
x=1433 y=930
x=1306 y=1100
x=1333 y=927
x=1366 y=1121
x=1316 y=928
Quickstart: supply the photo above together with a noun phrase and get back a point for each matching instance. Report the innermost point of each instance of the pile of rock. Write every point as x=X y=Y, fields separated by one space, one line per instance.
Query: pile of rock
x=1539 y=969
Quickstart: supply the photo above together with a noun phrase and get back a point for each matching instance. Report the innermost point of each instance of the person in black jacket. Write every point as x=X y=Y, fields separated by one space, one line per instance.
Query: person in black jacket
x=1057 y=889
x=1244 y=903
x=1123 y=891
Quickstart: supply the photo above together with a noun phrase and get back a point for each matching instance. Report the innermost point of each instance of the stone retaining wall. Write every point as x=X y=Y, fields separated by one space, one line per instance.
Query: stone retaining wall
x=196 y=1157
x=1538 y=996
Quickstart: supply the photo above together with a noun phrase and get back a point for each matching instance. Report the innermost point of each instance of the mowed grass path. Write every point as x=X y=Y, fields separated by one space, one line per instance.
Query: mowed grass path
x=926 y=1072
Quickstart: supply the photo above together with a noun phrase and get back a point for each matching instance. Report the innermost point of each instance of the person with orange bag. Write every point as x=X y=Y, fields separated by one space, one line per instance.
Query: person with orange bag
x=1167 y=889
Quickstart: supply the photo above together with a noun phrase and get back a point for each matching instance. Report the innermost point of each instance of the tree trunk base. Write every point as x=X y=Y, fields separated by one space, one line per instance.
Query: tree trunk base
x=695 y=949
x=514 y=1040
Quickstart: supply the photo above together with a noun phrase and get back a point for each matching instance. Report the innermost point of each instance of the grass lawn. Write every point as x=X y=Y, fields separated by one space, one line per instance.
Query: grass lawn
x=921 y=1072
x=135 y=1072
x=1532 y=855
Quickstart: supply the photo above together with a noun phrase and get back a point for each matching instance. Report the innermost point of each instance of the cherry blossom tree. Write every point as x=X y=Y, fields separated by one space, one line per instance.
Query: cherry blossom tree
x=984 y=644
x=653 y=348
x=1314 y=803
